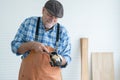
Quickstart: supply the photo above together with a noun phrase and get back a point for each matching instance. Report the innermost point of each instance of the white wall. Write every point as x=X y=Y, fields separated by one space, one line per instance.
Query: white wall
x=98 y=20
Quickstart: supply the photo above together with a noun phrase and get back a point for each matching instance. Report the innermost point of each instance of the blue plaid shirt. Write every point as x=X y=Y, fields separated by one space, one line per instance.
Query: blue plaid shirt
x=26 y=33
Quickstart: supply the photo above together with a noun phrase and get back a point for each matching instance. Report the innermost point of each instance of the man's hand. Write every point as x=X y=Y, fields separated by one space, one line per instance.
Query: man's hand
x=39 y=47
x=36 y=46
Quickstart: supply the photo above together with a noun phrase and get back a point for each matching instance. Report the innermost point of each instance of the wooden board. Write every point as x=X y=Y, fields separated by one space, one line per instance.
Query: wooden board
x=84 y=58
x=102 y=66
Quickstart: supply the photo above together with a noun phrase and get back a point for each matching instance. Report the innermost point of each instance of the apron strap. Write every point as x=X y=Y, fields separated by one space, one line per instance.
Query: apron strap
x=37 y=29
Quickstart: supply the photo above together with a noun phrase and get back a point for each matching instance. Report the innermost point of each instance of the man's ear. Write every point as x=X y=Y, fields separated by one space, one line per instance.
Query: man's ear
x=43 y=10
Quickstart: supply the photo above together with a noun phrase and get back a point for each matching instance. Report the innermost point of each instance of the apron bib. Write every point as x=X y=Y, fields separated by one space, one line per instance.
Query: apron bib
x=36 y=66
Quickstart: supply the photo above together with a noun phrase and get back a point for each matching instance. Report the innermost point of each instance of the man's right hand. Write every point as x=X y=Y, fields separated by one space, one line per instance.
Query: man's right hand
x=36 y=46
x=39 y=47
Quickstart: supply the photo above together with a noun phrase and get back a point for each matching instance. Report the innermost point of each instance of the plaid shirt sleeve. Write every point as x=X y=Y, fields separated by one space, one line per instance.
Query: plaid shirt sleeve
x=20 y=37
x=65 y=45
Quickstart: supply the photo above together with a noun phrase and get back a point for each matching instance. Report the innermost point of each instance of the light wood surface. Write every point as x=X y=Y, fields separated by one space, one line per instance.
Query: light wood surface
x=102 y=66
x=84 y=58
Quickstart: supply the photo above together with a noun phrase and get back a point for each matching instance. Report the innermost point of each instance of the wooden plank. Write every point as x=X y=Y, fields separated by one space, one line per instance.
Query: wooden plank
x=102 y=66
x=84 y=58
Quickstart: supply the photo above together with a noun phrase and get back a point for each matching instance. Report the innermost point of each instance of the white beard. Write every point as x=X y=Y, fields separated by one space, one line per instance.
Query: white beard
x=48 y=26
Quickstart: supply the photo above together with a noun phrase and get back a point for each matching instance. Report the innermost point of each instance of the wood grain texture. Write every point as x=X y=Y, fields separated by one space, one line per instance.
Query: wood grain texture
x=102 y=66
x=84 y=58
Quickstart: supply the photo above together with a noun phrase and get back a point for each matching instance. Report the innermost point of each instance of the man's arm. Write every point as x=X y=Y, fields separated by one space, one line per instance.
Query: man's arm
x=65 y=47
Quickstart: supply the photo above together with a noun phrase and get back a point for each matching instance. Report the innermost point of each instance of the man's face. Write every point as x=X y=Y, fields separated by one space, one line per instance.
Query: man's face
x=48 y=19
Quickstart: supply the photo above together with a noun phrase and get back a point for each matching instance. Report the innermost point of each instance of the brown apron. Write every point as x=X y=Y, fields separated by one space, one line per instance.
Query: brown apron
x=36 y=66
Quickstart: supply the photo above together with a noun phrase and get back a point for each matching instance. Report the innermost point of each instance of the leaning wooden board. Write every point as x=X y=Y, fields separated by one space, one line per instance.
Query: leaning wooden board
x=84 y=59
x=102 y=66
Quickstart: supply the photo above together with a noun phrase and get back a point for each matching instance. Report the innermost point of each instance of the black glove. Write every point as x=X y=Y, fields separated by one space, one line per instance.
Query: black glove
x=56 y=59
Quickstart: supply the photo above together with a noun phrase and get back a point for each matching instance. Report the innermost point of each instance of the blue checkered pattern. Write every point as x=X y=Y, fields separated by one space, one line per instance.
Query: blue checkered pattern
x=26 y=33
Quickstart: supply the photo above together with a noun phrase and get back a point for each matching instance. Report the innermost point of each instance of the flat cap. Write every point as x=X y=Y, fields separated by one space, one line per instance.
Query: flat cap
x=55 y=8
